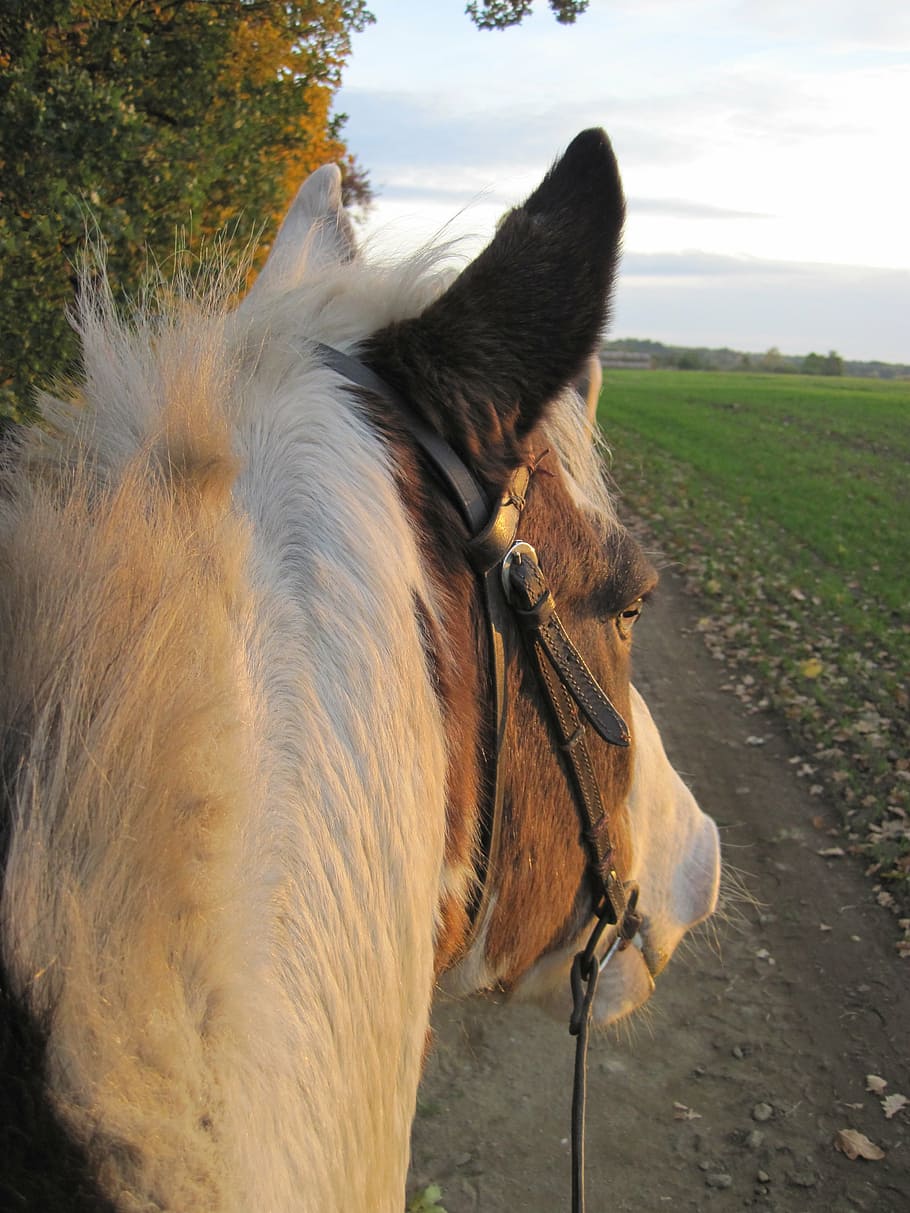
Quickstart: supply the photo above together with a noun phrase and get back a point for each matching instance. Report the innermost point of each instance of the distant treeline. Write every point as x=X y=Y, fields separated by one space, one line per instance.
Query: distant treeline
x=703 y=359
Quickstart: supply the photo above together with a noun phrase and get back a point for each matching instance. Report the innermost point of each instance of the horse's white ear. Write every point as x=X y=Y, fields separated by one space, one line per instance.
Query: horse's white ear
x=316 y=232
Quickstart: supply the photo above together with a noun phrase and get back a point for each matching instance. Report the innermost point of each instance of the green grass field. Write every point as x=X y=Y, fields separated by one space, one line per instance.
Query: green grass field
x=786 y=499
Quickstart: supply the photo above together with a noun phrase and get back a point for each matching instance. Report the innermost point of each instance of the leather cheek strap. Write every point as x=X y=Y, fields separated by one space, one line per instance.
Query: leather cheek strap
x=572 y=692
x=486 y=552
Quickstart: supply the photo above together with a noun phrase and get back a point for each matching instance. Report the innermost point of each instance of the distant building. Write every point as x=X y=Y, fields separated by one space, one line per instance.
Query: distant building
x=625 y=360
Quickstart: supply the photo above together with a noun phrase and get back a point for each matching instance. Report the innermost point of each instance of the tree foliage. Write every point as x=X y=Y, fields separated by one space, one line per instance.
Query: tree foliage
x=816 y=364
x=500 y=14
x=152 y=115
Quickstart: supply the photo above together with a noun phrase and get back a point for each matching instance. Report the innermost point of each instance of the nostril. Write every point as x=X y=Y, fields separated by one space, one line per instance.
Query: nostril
x=656 y=956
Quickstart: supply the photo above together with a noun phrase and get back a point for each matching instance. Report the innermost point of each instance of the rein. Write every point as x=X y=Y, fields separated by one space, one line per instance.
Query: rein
x=513 y=586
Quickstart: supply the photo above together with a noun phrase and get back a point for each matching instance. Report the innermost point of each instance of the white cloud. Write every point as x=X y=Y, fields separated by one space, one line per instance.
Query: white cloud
x=743 y=128
x=702 y=299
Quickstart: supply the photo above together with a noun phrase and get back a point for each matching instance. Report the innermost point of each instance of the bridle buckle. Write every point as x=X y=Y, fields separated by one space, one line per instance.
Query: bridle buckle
x=514 y=554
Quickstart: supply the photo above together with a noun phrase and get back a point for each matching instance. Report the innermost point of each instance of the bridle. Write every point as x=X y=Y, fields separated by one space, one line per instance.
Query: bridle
x=513 y=588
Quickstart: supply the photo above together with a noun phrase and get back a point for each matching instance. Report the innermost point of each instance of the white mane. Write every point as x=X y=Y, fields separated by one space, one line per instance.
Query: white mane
x=213 y=524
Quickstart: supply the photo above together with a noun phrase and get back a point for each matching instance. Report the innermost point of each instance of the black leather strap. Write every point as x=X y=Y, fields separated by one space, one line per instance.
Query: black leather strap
x=486 y=552
x=465 y=491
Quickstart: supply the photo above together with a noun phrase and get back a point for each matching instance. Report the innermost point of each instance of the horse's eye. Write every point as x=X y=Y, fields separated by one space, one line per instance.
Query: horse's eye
x=625 y=620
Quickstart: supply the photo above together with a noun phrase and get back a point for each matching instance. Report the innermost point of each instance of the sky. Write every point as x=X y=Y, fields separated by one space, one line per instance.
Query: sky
x=763 y=146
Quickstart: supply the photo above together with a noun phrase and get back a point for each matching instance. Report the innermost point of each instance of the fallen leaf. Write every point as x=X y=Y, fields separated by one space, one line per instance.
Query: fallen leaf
x=682 y=1112
x=892 y=1104
x=857 y=1145
x=811 y=668
x=875 y=1084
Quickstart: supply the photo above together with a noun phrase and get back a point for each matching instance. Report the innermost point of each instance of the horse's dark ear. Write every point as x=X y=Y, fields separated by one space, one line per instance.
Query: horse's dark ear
x=516 y=326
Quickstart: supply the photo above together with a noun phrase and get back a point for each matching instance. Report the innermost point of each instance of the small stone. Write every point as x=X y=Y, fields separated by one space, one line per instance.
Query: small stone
x=802 y=1179
x=755 y=1139
x=719 y=1179
x=704 y=1165
x=737 y=1052
x=763 y=1177
x=762 y=1112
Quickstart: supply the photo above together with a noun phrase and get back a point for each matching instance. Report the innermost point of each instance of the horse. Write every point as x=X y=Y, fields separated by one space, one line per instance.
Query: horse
x=268 y=773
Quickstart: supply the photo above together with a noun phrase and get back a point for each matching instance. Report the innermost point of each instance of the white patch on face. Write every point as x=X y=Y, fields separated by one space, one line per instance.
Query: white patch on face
x=676 y=851
x=676 y=862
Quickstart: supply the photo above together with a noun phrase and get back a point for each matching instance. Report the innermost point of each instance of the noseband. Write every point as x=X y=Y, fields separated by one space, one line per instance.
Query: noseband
x=513 y=587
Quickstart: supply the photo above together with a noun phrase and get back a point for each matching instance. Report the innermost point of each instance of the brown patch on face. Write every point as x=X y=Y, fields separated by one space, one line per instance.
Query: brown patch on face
x=544 y=889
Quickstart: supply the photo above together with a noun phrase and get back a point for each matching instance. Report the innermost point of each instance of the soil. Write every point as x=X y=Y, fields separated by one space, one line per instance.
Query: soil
x=764 y=1028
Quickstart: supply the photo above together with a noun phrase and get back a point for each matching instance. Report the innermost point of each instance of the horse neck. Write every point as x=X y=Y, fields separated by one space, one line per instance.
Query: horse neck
x=356 y=783
x=231 y=817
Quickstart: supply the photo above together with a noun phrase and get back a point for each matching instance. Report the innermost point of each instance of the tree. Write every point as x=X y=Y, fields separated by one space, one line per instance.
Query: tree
x=833 y=364
x=500 y=14
x=152 y=114
x=815 y=364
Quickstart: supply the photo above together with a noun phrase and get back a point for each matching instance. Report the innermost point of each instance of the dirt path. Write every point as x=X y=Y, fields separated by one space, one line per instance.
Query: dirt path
x=769 y=1041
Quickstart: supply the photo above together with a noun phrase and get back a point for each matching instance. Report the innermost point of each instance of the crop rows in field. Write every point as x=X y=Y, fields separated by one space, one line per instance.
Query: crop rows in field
x=787 y=502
